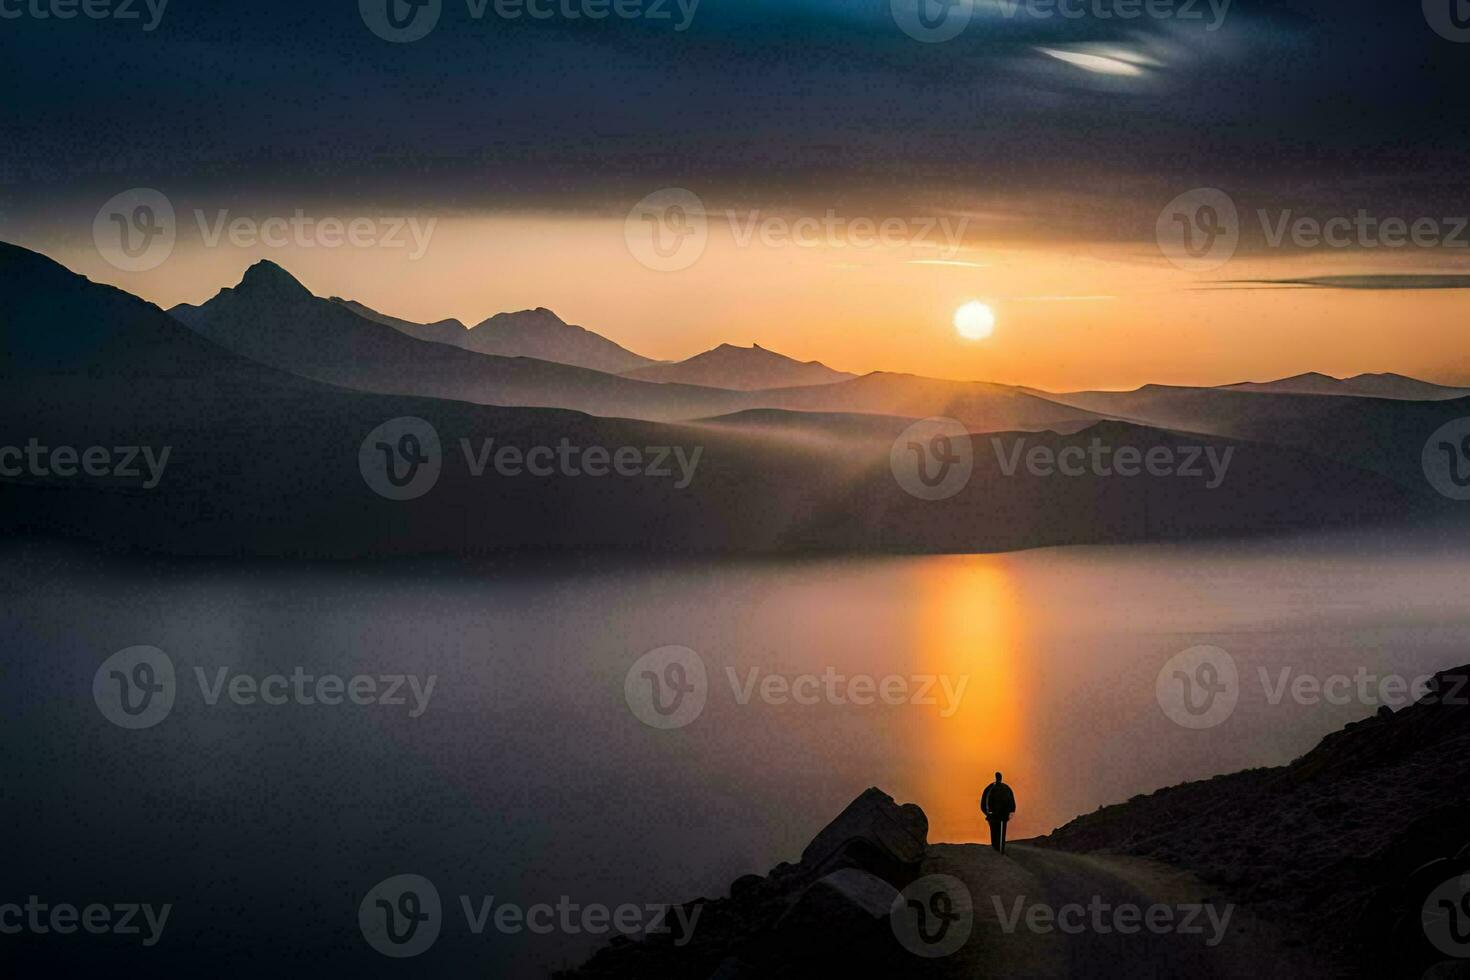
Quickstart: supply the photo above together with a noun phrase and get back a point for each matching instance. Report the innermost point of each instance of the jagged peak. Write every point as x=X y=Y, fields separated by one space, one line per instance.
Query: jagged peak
x=266 y=275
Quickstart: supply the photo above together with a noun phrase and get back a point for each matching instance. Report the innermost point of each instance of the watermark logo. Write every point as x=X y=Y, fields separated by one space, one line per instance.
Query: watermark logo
x=932 y=21
x=1446 y=459
x=135 y=688
x=401 y=459
x=933 y=916
x=667 y=687
x=668 y=230
x=401 y=21
x=135 y=231
x=1450 y=19
x=1199 y=687
x=933 y=458
x=1446 y=917
x=1199 y=230
x=401 y=916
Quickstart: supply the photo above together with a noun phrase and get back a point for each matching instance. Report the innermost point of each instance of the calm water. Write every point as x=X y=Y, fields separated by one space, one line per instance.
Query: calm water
x=529 y=778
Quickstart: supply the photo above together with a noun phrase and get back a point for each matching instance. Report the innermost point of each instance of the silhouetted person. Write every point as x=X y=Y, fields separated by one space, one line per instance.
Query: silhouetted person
x=997 y=803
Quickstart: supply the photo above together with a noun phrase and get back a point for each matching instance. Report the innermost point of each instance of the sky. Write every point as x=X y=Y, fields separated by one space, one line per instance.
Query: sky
x=824 y=177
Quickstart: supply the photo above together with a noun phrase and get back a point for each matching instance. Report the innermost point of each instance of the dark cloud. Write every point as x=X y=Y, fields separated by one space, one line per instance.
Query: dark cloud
x=762 y=100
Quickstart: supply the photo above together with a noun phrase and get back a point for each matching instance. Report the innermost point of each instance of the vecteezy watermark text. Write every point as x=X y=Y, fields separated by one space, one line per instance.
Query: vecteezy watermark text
x=402 y=459
x=1201 y=229
x=1200 y=687
x=1099 y=459
x=40 y=918
x=404 y=21
x=668 y=687
x=90 y=9
x=668 y=230
x=137 y=687
x=306 y=231
x=115 y=462
x=403 y=916
x=1102 y=917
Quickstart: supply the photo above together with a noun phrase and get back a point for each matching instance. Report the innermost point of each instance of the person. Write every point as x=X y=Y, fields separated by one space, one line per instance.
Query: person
x=998 y=803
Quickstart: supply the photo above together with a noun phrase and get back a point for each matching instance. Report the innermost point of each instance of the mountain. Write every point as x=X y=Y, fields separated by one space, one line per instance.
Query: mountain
x=1362 y=385
x=272 y=318
x=57 y=322
x=266 y=463
x=743 y=369
x=1342 y=846
x=451 y=331
x=980 y=406
x=1384 y=435
x=537 y=333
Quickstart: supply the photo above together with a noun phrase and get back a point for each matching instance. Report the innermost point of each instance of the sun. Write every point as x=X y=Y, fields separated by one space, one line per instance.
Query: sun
x=974 y=320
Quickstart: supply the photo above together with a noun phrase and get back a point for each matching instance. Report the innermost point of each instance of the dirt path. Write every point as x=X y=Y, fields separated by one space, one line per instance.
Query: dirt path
x=1077 y=904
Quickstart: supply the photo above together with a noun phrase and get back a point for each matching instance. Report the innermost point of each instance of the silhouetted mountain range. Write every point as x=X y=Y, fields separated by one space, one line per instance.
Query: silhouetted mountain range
x=270 y=317
x=266 y=457
x=1361 y=385
x=537 y=333
x=742 y=368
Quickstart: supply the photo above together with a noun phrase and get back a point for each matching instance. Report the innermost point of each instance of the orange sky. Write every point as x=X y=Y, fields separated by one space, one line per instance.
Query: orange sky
x=1069 y=316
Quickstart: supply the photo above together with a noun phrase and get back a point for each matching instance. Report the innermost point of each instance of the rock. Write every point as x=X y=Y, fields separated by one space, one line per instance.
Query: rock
x=874 y=834
x=746 y=887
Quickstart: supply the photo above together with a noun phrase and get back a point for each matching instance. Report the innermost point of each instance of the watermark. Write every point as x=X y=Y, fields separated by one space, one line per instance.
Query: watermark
x=1202 y=686
x=669 y=687
x=1201 y=229
x=302 y=230
x=403 y=916
x=1102 y=460
x=1445 y=916
x=933 y=916
x=402 y=459
x=1450 y=19
x=135 y=231
x=1101 y=917
x=1198 y=230
x=668 y=230
x=137 y=688
x=936 y=21
x=132 y=463
x=39 y=918
x=1211 y=12
x=405 y=21
x=149 y=13
x=1198 y=687
x=932 y=459
x=1446 y=459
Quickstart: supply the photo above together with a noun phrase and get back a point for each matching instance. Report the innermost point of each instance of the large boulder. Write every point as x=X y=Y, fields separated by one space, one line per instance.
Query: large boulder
x=872 y=834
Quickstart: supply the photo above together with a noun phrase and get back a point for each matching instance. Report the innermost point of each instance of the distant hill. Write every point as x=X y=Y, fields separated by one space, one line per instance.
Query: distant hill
x=1383 y=435
x=742 y=368
x=981 y=406
x=1362 y=385
x=537 y=333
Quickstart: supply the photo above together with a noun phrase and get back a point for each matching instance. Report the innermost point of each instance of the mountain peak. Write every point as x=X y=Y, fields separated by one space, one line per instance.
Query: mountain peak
x=538 y=318
x=267 y=277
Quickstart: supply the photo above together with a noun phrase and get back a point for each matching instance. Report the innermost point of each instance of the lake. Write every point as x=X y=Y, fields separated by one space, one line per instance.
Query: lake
x=528 y=773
